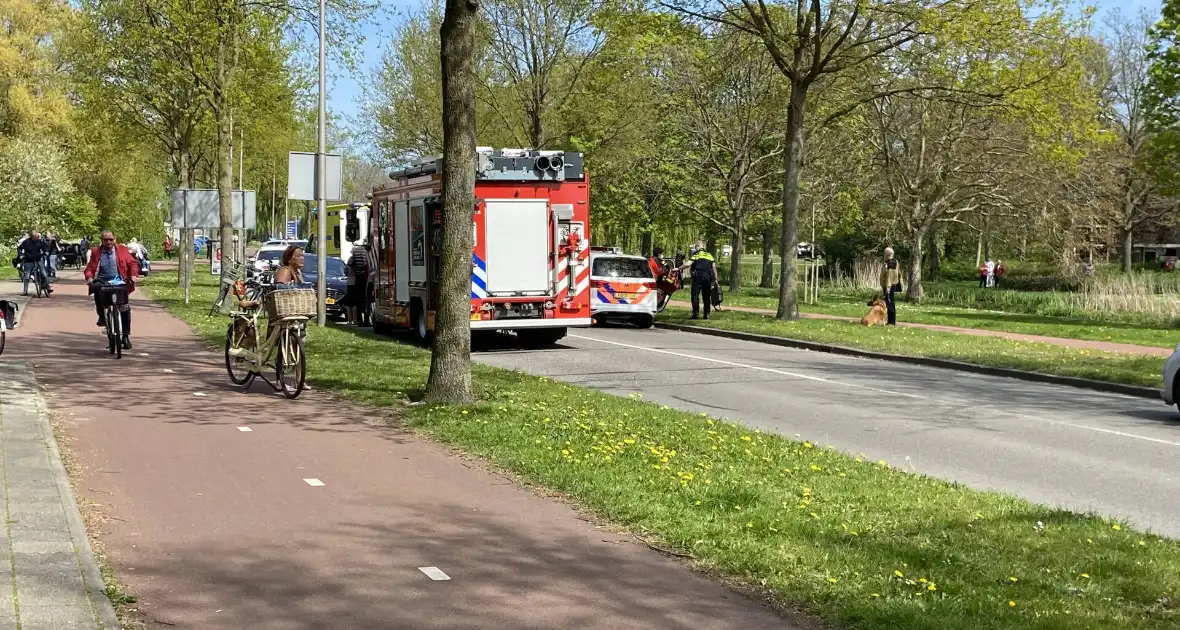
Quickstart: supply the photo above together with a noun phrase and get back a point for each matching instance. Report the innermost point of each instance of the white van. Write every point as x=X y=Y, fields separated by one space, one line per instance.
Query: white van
x=622 y=288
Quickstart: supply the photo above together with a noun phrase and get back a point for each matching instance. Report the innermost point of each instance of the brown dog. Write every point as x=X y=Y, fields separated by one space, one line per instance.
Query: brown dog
x=876 y=314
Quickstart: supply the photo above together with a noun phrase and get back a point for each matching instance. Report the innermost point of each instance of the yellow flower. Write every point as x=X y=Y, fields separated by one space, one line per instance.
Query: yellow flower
x=1011 y=604
x=899 y=574
x=932 y=587
x=807 y=444
x=875 y=595
x=1116 y=527
x=833 y=580
x=464 y=412
x=1086 y=575
x=628 y=441
x=1013 y=579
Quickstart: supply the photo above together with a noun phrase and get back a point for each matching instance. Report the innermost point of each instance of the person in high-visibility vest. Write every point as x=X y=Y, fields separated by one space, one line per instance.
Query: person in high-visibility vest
x=703 y=269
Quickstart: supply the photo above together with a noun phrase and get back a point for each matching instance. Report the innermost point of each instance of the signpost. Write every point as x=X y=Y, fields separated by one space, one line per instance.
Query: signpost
x=307 y=180
x=292 y=229
x=200 y=209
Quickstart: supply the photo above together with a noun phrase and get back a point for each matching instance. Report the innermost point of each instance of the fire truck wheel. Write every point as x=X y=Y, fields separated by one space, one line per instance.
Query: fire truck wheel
x=540 y=338
x=418 y=323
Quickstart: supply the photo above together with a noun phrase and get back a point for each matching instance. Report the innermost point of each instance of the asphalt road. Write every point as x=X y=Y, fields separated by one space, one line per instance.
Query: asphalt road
x=1087 y=451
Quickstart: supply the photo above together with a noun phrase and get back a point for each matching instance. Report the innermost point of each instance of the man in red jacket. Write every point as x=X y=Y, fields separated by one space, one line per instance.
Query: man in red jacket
x=114 y=263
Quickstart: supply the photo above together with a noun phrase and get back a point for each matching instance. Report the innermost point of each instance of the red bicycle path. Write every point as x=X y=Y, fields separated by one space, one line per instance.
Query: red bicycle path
x=1081 y=344
x=212 y=527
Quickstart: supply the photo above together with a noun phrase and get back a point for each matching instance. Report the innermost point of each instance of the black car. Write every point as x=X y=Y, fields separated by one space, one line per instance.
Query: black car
x=336 y=283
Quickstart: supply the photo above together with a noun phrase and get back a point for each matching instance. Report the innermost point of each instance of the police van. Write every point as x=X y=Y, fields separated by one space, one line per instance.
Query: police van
x=622 y=288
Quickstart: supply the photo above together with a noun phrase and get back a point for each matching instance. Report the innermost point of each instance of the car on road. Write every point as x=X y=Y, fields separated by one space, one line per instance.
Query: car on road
x=271 y=252
x=622 y=288
x=1170 y=392
x=336 y=281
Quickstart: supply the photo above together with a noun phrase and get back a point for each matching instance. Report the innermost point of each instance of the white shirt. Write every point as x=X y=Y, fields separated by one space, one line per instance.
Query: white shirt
x=991 y=268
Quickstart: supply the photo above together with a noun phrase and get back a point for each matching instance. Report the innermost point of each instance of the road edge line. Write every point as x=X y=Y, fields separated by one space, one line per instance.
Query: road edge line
x=946 y=364
x=91 y=574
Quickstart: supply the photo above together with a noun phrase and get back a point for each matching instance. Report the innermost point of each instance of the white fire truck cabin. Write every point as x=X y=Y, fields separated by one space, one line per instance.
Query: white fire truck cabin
x=530 y=270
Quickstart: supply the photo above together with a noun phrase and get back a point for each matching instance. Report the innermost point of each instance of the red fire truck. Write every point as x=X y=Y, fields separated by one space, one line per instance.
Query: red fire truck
x=530 y=269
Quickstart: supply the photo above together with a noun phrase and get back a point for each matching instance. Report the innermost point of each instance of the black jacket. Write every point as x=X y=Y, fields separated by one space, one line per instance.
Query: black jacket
x=32 y=250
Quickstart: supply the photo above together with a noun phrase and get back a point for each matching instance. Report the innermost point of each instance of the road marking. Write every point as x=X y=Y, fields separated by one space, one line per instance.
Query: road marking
x=144 y=354
x=750 y=367
x=315 y=483
x=167 y=371
x=198 y=393
x=434 y=573
x=1132 y=436
x=245 y=429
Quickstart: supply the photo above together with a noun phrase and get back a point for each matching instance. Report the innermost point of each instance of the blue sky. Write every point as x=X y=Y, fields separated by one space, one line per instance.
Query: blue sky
x=344 y=89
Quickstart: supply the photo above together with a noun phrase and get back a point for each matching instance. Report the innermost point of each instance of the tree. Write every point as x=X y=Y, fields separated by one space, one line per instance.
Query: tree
x=727 y=91
x=450 y=358
x=33 y=96
x=811 y=41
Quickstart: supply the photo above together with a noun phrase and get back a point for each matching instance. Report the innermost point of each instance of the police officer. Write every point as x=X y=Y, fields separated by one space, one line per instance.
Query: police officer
x=704 y=275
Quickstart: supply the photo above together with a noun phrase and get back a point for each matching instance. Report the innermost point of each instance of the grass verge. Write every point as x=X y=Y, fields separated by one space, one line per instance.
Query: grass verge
x=1113 y=367
x=843 y=305
x=857 y=542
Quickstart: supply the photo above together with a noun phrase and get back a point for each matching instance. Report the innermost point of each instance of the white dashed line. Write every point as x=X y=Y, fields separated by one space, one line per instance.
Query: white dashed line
x=144 y=354
x=315 y=483
x=167 y=371
x=202 y=394
x=758 y=368
x=245 y=429
x=434 y=573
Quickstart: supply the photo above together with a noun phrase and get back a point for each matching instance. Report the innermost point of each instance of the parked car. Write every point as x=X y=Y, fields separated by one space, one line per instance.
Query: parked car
x=271 y=253
x=336 y=281
x=1170 y=391
x=622 y=288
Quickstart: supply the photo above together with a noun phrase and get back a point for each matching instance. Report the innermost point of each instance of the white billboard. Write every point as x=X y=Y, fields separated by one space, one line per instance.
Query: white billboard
x=301 y=176
x=200 y=208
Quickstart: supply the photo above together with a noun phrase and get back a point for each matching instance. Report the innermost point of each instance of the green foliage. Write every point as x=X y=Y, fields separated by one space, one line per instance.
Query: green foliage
x=35 y=188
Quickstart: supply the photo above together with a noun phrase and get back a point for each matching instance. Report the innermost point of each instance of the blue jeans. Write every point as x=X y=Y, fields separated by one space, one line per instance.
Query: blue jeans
x=32 y=271
x=53 y=264
x=891 y=306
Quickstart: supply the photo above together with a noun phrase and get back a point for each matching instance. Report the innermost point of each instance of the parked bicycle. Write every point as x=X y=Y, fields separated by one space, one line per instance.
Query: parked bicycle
x=248 y=353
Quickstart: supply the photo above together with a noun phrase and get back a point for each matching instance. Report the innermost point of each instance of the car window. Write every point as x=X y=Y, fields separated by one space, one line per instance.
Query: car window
x=270 y=254
x=611 y=267
x=311 y=265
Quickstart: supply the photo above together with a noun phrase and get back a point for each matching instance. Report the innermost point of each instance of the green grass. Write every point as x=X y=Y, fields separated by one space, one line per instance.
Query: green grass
x=859 y=543
x=932 y=312
x=991 y=351
x=8 y=272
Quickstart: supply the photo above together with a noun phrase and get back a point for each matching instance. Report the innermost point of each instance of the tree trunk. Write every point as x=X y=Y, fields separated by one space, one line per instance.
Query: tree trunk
x=450 y=357
x=788 y=298
x=767 y=259
x=979 y=250
x=735 y=258
x=1128 y=246
x=646 y=243
x=935 y=256
x=225 y=187
x=913 y=289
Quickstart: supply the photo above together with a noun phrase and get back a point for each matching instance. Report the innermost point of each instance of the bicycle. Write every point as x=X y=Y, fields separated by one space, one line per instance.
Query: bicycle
x=287 y=315
x=227 y=286
x=38 y=275
x=114 y=299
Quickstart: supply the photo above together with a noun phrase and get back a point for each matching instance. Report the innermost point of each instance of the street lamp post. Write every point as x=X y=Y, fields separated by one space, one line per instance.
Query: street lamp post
x=321 y=191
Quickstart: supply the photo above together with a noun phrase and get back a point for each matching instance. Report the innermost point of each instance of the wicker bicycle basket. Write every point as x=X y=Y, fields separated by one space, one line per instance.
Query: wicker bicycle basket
x=290 y=303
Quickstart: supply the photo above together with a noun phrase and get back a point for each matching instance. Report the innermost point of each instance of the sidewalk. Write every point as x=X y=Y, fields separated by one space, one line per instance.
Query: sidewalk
x=46 y=556
x=1081 y=344
x=320 y=515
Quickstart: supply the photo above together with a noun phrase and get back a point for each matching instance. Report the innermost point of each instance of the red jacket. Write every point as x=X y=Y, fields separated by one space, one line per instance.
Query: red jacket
x=128 y=265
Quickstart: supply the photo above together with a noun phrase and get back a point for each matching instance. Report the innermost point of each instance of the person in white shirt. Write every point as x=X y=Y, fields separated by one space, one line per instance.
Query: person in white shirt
x=991 y=273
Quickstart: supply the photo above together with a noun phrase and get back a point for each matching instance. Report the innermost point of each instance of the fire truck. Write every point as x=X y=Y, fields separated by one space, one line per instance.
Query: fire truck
x=530 y=270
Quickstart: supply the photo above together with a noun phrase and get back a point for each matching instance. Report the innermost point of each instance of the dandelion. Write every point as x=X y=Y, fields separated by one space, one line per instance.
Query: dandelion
x=1086 y=575
x=1116 y=527
x=899 y=574
x=833 y=580
x=1013 y=579
x=464 y=412
x=932 y=587
x=875 y=595
x=1011 y=604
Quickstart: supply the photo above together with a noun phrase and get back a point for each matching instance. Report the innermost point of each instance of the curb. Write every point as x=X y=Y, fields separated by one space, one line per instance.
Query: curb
x=91 y=575
x=946 y=364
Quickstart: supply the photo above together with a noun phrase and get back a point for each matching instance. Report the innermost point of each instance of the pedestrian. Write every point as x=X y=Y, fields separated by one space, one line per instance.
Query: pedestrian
x=990 y=268
x=982 y=275
x=357 y=276
x=890 y=285
x=703 y=269
x=1000 y=271
x=53 y=250
x=84 y=248
x=167 y=248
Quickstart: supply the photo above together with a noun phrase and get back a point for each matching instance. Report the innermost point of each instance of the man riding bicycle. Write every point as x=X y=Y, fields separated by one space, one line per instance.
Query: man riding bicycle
x=111 y=263
x=32 y=253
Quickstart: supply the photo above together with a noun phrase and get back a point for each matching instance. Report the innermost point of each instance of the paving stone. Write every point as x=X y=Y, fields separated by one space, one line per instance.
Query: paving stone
x=57 y=618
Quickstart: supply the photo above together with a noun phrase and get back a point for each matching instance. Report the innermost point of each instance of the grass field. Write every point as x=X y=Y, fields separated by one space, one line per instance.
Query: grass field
x=992 y=351
x=857 y=542
x=847 y=304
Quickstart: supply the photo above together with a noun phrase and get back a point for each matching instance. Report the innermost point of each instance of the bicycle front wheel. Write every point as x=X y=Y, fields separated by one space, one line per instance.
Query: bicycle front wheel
x=238 y=368
x=291 y=364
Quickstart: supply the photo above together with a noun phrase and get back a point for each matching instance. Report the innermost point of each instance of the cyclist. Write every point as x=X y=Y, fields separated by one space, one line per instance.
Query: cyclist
x=32 y=253
x=111 y=262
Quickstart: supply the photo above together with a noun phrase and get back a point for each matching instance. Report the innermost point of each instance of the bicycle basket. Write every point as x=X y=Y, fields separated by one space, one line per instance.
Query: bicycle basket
x=116 y=295
x=290 y=303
